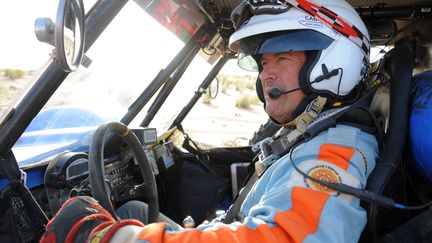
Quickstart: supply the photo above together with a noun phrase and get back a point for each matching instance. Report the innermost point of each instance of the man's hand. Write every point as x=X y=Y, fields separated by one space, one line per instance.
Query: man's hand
x=81 y=218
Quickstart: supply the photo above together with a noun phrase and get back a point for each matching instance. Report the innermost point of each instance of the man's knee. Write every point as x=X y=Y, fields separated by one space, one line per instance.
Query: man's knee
x=133 y=210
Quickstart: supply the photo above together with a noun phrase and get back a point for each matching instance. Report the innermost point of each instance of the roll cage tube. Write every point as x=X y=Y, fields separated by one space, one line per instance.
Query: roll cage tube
x=204 y=85
x=168 y=87
x=51 y=77
x=162 y=77
x=414 y=12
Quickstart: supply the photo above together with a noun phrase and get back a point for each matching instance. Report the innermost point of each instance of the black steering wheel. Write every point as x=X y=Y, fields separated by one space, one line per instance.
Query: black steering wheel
x=97 y=168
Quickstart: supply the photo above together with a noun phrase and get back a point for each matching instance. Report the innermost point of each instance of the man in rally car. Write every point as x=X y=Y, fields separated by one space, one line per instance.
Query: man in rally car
x=312 y=57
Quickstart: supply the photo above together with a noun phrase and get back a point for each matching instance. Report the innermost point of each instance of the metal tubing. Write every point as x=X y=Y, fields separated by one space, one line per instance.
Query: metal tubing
x=30 y=104
x=51 y=77
x=204 y=85
x=168 y=87
x=99 y=18
x=160 y=79
x=394 y=12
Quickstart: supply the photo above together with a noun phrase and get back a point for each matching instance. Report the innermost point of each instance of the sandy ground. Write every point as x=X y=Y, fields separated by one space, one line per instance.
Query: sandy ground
x=221 y=123
x=10 y=90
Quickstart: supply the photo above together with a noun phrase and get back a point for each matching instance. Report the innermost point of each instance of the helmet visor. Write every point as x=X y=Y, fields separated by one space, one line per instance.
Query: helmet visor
x=302 y=40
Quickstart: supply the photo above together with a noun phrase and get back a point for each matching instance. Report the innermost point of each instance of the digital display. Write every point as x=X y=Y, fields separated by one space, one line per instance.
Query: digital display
x=150 y=136
x=145 y=135
x=77 y=168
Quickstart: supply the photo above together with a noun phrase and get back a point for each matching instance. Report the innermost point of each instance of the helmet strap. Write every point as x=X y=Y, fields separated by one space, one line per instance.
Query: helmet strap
x=282 y=144
x=312 y=58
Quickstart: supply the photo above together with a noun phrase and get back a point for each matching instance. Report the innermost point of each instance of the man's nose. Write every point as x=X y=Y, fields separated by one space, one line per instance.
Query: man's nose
x=268 y=73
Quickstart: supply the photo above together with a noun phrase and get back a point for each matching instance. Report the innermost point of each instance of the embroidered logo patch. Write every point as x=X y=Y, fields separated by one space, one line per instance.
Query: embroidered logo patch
x=323 y=173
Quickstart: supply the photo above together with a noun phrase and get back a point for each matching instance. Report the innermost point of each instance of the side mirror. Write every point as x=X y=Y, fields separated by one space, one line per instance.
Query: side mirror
x=67 y=34
x=213 y=89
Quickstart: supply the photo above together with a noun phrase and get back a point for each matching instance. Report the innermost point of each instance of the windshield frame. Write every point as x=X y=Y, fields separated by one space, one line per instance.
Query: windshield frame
x=20 y=114
x=51 y=77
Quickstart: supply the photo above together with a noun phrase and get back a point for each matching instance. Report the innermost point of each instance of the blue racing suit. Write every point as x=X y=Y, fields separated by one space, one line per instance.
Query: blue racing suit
x=283 y=206
x=307 y=211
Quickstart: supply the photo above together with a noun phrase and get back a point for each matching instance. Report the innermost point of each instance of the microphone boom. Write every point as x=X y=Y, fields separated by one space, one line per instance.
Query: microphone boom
x=275 y=93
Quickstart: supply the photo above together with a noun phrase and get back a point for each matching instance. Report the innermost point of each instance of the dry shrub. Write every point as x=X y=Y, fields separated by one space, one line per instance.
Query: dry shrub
x=14 y=73
x=246 y=101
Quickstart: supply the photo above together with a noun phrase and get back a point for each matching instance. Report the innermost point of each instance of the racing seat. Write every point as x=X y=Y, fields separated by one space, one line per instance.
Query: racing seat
x=21 y=218
x=416 y=166
x=399 y=66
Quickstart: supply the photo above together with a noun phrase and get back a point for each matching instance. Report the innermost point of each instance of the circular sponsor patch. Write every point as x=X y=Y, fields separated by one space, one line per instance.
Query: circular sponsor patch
x=310 y=22
x=322 y=173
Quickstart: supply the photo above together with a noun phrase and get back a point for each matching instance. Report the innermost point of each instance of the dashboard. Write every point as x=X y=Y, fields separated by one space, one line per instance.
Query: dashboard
x=67 y=175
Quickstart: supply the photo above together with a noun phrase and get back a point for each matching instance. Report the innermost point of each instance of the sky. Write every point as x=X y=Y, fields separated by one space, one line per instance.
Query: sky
x=19 y=47
x=133 y=43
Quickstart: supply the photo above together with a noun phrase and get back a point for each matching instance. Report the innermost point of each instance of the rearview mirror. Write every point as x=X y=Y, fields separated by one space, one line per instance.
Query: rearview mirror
x=67 y=34
x=213 y=89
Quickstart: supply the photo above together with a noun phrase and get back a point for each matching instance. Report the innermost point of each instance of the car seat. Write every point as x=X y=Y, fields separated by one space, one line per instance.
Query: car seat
x=399 y=66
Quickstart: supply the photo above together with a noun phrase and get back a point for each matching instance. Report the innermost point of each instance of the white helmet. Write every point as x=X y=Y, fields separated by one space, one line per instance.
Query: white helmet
x=330 y=31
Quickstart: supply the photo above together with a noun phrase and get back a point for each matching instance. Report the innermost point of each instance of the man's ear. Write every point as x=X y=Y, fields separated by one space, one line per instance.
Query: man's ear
x=259 y=90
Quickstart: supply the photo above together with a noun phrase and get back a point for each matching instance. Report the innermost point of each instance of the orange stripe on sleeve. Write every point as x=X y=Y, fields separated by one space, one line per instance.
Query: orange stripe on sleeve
x=262 y=234
x=336 y=154
x=152 y=232
x=293 y=225
x=303 y=217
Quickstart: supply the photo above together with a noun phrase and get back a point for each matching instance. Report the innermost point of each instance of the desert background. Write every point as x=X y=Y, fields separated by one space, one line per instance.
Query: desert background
x=226 y=115
x=230 y=118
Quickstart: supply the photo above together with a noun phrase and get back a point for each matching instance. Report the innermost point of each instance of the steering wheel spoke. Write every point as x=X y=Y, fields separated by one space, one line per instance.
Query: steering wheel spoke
x=146 y=190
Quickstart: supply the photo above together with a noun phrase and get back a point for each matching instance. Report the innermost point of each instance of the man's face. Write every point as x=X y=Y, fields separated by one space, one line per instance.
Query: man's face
x=281 y=70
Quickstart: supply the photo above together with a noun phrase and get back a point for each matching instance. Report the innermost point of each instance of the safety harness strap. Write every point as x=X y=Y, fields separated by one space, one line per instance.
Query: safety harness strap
x=301 y=122
x=308 y=125
x=234 y=210
x=280 y=146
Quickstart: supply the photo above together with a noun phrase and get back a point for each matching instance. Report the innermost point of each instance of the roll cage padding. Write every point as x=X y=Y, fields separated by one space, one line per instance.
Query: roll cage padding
x=399 y=66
